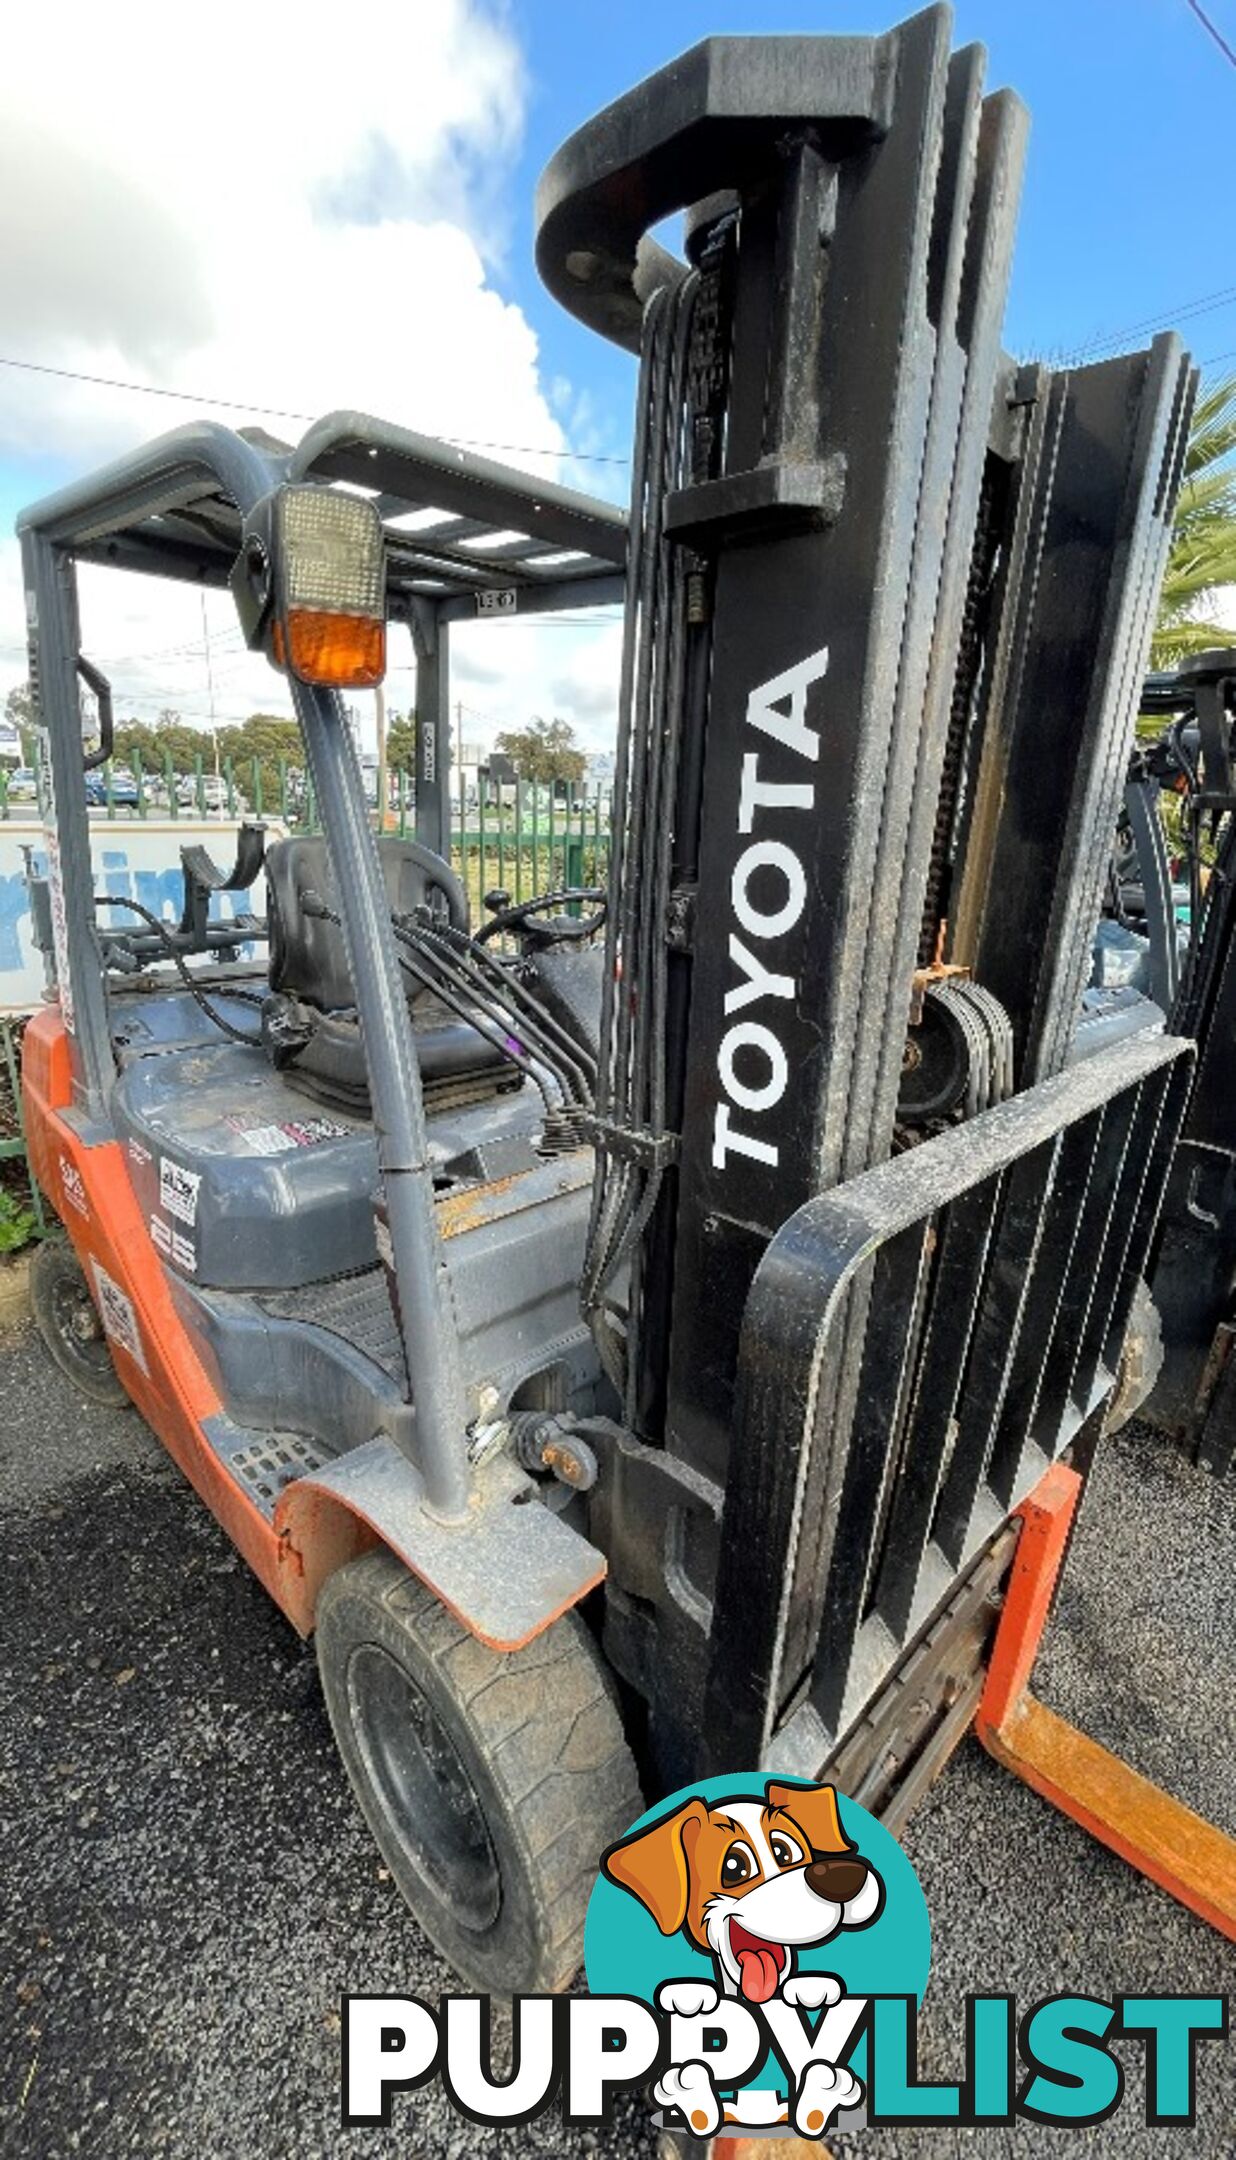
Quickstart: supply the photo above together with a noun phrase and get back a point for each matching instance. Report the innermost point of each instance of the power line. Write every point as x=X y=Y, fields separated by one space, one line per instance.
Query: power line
x=184 y=700
x=592 y=615
x=281 y=412
x=1213 y=31
x=1166 y=319
x=229 y=636
x=234 y=655
x=1208 y=302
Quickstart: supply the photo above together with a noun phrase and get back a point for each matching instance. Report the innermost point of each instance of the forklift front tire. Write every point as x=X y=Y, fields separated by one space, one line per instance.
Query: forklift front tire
x=492 y=1781
x=67 y=1318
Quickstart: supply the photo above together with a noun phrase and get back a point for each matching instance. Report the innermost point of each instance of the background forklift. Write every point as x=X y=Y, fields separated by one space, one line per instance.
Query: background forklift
x=630 y=1357
x=1192 y=975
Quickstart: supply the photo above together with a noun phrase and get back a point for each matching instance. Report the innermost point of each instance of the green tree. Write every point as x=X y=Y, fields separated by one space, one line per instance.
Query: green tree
x=19 y=710
x=1203 y=551
x=264 y=735
x=135 y=739
x=173 y=738
x=544 y=751
x=267 y=740
x=401 y=742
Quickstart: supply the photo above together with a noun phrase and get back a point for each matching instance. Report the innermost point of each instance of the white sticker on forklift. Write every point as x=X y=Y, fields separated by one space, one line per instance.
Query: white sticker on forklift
x=178 y=1190
x=173 y=1245
x=308 y=1132
x=74 y=1187
x=282 y=1139
x=117 y=1314
x=262 y=1139
x=60 y=930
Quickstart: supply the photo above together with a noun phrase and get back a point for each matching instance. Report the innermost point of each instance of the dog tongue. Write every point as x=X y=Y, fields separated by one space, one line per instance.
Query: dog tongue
x=757 y=1974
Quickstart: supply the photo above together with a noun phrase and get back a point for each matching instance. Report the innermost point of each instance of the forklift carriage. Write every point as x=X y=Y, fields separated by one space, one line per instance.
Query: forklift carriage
x=629 y=1343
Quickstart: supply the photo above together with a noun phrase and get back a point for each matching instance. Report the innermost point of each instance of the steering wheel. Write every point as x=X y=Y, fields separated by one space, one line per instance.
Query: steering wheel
x=559 y=929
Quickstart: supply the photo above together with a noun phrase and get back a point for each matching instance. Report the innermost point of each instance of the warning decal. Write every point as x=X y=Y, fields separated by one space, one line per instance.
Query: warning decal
x=60 y=930
x=178 y=1190
x=261 y=1139
x=74 y=1187
x=173 y=1246
x=117 y=1314
x=307 y=1132
x=268 y=1139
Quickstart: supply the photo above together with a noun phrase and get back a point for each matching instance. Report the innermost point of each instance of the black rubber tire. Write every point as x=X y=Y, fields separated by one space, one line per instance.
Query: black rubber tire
x=67 y=1318
x=1140 y=1362
x=494 y=1834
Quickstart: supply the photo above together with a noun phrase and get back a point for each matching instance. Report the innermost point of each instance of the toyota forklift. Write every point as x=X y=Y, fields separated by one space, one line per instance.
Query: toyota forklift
x=632 y=1332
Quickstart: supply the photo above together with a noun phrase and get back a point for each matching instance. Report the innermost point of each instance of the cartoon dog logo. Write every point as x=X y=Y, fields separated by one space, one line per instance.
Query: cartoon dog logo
x=750 y=1883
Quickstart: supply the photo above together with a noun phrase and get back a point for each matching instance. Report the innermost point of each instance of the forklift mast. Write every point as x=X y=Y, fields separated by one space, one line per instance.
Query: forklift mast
x=889 y=596
x=814 y=402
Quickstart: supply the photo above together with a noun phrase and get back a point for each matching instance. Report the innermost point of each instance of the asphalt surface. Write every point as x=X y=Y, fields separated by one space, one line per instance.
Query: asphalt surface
x=188 y=1889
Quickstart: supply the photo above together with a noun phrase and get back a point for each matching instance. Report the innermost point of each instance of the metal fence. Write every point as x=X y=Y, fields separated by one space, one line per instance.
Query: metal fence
x=524 y=837
x=234 y=788
x=28 y=1200
x=531 y=839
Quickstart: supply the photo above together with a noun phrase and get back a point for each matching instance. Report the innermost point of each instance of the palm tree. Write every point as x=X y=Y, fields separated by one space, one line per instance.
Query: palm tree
x=1203 y=551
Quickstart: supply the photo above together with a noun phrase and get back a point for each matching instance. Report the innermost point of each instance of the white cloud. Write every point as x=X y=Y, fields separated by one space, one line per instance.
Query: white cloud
x=263 y=214
x=266 y=211
x=505 y=671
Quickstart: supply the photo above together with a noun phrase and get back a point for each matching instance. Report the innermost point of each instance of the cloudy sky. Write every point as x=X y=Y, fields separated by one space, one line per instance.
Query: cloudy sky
x=304 y=251
x=293 y=221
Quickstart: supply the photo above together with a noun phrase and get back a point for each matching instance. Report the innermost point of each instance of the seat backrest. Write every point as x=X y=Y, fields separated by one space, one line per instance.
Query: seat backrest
x=307 y=955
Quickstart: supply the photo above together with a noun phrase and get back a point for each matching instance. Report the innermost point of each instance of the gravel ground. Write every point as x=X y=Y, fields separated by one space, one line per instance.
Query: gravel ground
x=190 y=1890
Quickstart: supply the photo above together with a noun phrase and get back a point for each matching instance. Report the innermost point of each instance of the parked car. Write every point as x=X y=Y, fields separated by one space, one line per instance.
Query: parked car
x=23 y=786
x=210 y=794
x=121 y=792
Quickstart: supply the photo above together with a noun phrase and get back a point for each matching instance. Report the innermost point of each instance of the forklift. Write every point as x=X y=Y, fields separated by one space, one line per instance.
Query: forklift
x=1191 y=973
x=627 y=1330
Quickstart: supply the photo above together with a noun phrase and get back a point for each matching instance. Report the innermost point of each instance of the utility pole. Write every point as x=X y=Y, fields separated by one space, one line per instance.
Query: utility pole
x=379 y=701
x=210 y=681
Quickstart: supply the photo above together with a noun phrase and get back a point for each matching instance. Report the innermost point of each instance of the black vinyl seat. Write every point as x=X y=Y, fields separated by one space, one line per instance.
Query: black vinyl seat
x=569 y=985
x=307 y=955
x=309 y=1022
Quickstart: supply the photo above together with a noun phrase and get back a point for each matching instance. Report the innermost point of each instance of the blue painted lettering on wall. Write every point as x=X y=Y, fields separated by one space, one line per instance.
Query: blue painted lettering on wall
x=159 y=887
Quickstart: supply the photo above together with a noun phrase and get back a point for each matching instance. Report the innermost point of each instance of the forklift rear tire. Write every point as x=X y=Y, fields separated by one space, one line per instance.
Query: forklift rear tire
x=67 y=1318
x=492 y=1781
